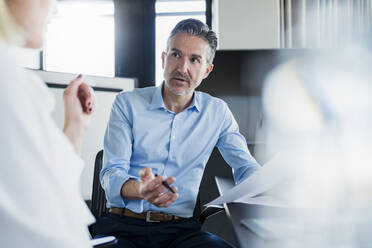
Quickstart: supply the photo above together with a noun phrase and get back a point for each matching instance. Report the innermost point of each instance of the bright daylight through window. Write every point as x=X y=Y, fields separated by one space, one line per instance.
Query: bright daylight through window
x=168 y=14
x=80 y=38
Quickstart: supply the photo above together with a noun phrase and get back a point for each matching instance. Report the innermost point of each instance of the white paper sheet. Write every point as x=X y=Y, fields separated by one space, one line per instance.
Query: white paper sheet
x=273 y=228
x=268 y=176
x=267 y=200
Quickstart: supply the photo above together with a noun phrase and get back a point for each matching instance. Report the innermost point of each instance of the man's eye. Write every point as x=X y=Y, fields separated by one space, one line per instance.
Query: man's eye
x=176 y=55
x=194 y=60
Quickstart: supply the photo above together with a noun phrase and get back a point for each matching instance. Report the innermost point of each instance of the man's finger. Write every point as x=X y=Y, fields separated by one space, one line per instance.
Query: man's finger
x=150 y=196
x=170 y=200
x=154 y=183
x=173 y=198
x=165 y=197
x=175 y=189
x=170 y=180
x=145 y=174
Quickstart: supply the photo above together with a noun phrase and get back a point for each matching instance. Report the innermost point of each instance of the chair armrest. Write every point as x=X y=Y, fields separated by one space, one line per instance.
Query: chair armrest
x=209 y=211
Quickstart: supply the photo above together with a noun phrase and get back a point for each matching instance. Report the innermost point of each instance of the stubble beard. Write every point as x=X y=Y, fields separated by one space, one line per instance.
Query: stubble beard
x=183 y=92
x=180 y=93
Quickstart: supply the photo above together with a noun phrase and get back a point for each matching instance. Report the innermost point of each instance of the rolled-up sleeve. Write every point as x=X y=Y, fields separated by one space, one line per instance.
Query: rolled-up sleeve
x=117 y=153
x=233 y=148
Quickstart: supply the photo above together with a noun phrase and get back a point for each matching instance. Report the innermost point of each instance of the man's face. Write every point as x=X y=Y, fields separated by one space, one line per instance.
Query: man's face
x=185 y=64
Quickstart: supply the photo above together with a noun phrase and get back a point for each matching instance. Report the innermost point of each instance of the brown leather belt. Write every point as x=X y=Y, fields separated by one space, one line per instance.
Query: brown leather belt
x=149 y=216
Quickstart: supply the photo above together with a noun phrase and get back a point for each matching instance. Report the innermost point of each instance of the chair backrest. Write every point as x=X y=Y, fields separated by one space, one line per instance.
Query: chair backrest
x=98 y=205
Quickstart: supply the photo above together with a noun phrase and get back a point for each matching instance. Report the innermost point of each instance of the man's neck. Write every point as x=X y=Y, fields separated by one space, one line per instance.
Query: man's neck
x=176 y=103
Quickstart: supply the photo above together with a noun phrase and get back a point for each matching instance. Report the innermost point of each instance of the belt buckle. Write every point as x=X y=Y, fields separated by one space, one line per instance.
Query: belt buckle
x=148 y=216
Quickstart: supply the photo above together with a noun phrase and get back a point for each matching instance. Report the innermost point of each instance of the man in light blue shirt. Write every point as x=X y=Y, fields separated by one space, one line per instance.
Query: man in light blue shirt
x=168 y=131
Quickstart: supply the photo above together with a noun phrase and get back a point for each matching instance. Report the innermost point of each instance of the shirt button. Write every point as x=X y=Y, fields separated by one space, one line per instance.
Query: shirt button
x=173 y=136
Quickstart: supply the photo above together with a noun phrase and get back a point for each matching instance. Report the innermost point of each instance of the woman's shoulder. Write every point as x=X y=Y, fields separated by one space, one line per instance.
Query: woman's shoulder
x=8 y=69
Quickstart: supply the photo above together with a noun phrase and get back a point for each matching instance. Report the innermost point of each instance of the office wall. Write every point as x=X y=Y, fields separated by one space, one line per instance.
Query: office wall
x=246 y=24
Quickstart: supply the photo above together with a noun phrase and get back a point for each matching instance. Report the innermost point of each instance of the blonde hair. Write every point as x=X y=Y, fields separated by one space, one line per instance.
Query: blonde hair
x=10 y=31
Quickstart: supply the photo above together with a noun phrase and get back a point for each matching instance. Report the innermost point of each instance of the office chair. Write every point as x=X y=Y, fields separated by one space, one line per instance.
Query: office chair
x=98 y=203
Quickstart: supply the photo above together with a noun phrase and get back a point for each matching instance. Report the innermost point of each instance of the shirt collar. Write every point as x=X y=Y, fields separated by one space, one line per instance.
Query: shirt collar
x=195 y=104
x=157 y=99
x=158 y=103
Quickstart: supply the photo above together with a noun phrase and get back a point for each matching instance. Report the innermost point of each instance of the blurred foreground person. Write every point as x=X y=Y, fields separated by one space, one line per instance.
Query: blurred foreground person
x=40 y=201
x=318 y=118
x=319 y=110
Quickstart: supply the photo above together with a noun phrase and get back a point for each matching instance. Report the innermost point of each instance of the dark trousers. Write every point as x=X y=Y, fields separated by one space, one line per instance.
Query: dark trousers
x=132 y=232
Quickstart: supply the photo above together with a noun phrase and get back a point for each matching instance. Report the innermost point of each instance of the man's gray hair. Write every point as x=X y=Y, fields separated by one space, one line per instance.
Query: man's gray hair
x=196 y=28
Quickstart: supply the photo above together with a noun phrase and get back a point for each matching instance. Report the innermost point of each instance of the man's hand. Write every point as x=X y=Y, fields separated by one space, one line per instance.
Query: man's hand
x=151 y=189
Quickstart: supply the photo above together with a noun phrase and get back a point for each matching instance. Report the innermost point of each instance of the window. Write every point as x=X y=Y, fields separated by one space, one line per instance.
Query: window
x=168 y=14
x=80 y=38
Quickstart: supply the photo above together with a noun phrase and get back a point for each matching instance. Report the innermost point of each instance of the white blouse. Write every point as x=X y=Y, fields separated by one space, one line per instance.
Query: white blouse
x=40 y=200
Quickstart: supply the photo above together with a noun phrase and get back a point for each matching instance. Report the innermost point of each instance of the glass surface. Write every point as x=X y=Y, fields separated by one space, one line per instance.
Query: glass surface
x=180 y=6
x=80 y=39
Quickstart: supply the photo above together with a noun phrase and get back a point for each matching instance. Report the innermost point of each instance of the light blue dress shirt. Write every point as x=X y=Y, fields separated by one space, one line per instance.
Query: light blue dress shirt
x=142 y=133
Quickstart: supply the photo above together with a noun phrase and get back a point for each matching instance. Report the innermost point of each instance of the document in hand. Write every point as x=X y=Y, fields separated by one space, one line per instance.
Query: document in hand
x=268 y=200
x=274 y=173
x=274 y=228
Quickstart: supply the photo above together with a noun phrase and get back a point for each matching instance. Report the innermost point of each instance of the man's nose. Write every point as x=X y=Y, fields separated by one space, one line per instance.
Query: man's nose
x=183 y=65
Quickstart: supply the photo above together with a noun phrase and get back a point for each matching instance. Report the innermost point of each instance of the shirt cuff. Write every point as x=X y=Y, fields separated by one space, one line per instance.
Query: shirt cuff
x=113 y=181
x=243 y=173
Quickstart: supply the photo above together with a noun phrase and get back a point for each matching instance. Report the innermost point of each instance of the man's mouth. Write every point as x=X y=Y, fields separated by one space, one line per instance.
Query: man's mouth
x=181 y=79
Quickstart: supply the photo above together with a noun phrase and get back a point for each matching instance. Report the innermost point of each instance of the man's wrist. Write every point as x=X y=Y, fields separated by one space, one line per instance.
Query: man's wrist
x=131 y=189
x=139 y=189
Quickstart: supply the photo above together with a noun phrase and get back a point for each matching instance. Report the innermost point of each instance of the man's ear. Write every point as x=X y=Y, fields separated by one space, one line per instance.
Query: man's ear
x=208 y=70
x=163 y=54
